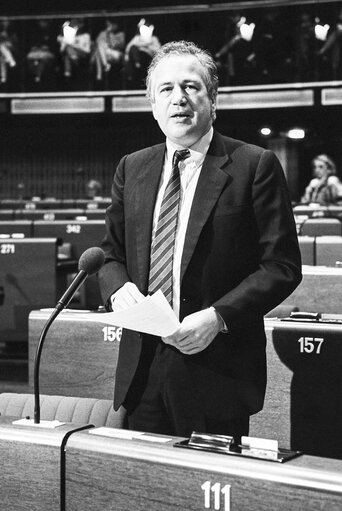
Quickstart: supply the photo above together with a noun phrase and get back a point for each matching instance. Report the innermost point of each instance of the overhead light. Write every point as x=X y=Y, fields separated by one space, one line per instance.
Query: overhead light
x=265 y=131
x=295 y=133
x=247 y=30
x=69 y=33
x=321 y=31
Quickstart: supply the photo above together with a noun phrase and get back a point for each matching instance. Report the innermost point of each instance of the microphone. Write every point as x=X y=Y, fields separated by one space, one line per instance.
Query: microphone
x=89 y=263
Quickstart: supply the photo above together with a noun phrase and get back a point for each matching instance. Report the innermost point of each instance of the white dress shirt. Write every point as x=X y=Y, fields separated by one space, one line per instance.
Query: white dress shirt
x=189 y=170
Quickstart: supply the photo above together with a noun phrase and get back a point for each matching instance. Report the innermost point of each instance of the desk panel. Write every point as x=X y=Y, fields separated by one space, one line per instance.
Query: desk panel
x=137 y=475
x=79 y=357
x=16 y=227
x=27 y=282
x=321 y=227
x=303 y=409
x=307 y=248
x=32 y=459
x=329 y=250
x=319 y=291
x=6 y=214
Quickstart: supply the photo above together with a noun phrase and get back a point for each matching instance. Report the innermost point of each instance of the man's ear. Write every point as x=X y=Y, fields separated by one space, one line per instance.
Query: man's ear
x=153 y=110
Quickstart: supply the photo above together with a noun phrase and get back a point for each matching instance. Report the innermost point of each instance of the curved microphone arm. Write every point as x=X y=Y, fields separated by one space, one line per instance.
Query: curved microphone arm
x=90 y=262
x=37 y=364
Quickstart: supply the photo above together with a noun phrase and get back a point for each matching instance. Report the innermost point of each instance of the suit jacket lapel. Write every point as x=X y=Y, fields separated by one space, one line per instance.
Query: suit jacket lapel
x=212 y=179
x=145 y=196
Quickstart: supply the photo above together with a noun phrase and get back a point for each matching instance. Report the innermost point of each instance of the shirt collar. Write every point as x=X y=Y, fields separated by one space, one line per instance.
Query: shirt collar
x=197 y=150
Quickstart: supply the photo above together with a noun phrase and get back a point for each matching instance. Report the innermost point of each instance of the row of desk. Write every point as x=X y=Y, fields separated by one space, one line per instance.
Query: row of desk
x=52 y=214
x=78 y=467
x=321 y=250
x=79 y=234
x=83 y=232
x=318 y=210
x=75 y=467
x=303 y=409
x=53 y=203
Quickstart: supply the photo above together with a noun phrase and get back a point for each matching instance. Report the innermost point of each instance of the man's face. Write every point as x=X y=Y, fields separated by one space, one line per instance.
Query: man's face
x=181 y=103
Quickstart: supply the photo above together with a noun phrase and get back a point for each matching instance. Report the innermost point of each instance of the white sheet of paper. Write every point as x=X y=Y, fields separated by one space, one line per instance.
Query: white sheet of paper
x=128 y=435
x=153 y=315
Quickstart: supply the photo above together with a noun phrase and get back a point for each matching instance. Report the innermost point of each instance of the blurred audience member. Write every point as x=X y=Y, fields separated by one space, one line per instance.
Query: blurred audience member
x=305 y=48
x=75 y=47
x=42 y=54
x=333 y=48
x=272 y=48
x=325 y=187
x=233 y=58
x=109 y=48
x=93 y=189
x=8 y=49
x=139 y=53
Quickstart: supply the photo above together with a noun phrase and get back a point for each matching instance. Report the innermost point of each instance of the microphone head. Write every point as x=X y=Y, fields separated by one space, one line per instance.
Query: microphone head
x=92 y=260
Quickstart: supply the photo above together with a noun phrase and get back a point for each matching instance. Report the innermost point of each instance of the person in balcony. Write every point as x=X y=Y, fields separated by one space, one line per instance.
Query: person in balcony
x=233 y=58
x=138 y=54
x=305 y=44
x=41 y=58
x=332 y=49
x=8 y=50
x=109 y=48
x=75 y=48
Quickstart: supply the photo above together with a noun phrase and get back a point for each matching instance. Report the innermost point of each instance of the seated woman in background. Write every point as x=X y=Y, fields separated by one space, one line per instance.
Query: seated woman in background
x=325 y=187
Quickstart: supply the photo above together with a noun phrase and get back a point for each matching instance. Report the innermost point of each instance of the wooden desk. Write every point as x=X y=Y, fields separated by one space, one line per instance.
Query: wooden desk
x=79 y=355
x=32 y=460
x=104 y=473
x=80 y=234
x=303 y=408
x=319 y=291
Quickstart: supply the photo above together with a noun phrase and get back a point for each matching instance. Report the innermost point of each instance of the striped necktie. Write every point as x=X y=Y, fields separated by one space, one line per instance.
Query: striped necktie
x=164 y=239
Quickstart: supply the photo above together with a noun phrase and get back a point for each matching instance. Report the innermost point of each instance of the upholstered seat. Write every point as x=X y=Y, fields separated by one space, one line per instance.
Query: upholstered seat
x=98 y=412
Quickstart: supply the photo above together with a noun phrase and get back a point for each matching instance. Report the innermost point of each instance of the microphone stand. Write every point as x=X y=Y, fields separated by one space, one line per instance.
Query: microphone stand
x=37 y=364
x=63 y=302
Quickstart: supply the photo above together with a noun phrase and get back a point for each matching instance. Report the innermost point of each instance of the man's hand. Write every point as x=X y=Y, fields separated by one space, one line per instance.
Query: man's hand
x=126 y=296
x=196 y=332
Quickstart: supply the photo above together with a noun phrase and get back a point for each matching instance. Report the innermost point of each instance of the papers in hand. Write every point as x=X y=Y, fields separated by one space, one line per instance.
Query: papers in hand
x=153 y=315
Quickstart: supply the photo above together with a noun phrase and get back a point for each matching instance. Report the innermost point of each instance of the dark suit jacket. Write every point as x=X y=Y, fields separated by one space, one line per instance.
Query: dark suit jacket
x=240 y=255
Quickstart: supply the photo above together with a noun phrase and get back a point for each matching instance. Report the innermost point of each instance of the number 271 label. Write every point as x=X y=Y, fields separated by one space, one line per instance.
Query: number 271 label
x=7 y=248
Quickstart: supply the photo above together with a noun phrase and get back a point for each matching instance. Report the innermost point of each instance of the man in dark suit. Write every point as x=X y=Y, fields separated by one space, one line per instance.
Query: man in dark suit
x=235 y=257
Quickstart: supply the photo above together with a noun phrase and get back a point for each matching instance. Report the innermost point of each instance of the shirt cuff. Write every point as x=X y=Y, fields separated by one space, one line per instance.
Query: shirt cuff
x=224 y=328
